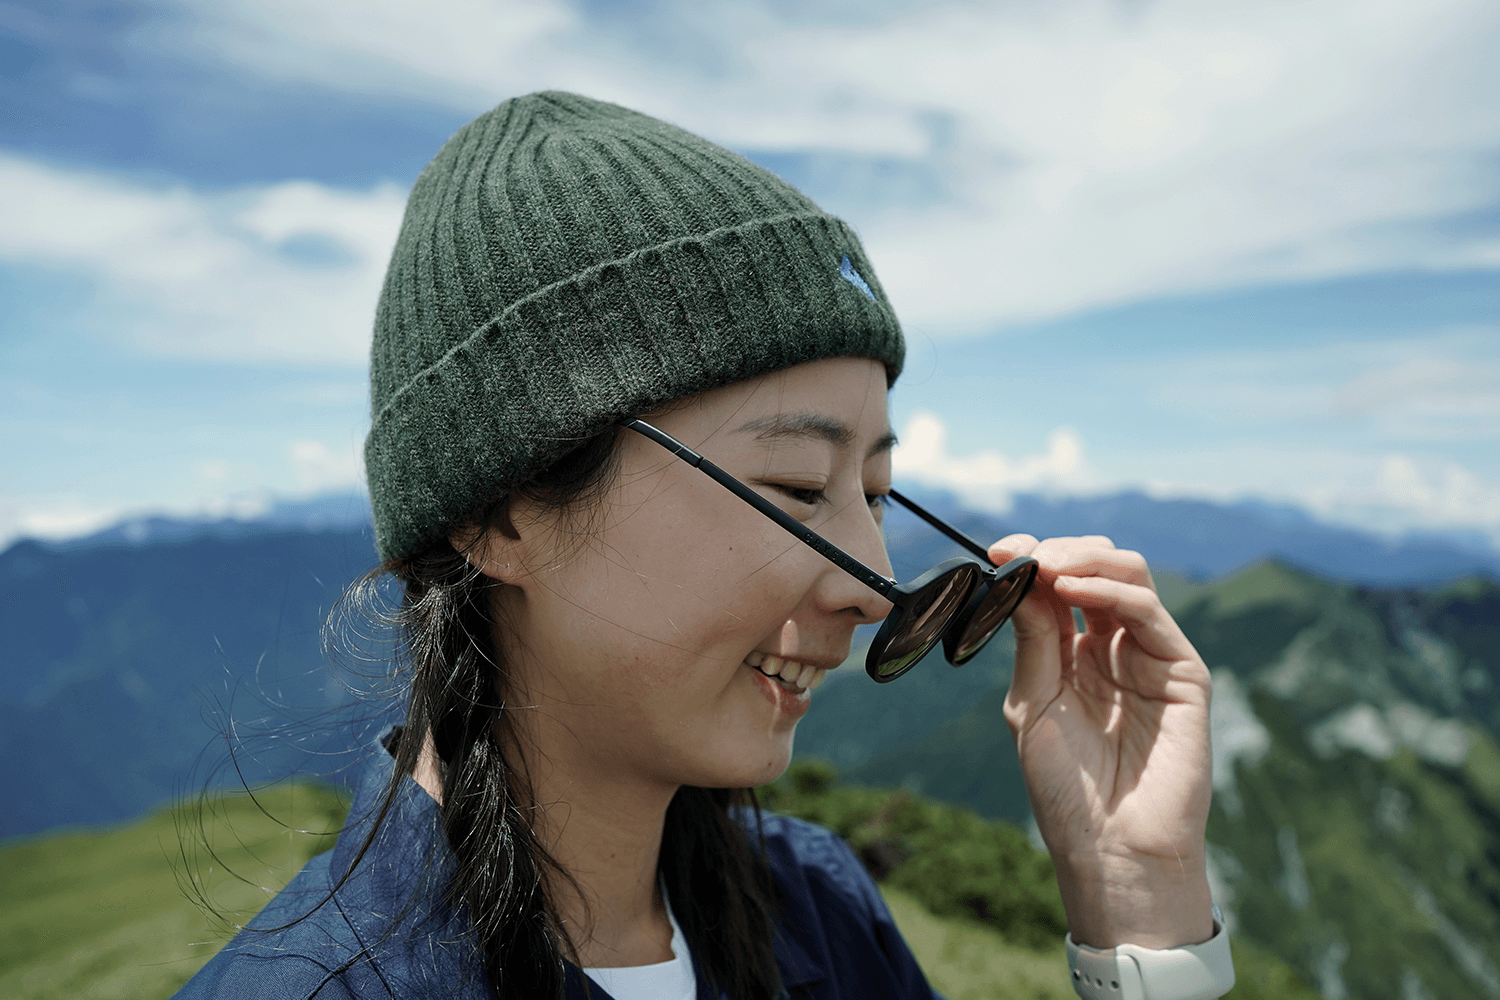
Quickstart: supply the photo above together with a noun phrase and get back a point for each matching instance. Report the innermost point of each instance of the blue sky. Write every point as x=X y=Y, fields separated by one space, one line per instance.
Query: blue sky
x=1199 y=247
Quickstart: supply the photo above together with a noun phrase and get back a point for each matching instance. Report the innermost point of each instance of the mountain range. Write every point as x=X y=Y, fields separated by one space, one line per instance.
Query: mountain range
x=1356 y=823
x=181 y=639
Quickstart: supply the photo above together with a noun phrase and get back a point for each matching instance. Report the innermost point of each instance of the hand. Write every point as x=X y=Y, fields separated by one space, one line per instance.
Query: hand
x=1112 y=729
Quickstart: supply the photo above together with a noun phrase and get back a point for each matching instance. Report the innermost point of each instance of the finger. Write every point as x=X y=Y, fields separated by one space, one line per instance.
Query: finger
x=1069 y=557
x=1080 y=541
x=1136 y=608
x=1043 y=625
x=1010 y=547
x=1044 y=616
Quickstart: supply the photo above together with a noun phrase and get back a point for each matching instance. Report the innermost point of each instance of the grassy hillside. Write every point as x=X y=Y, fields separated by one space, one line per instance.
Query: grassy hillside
x=104 y=914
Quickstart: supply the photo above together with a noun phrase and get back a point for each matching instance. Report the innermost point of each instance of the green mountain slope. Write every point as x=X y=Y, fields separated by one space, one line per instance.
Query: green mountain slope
x=1366 y=873
x=112 y=913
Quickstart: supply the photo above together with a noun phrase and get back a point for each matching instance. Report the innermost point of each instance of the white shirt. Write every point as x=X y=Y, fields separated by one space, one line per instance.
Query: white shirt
x=670 y=980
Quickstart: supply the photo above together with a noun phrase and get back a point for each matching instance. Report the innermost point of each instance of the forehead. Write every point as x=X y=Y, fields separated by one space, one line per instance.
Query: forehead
x=836 y=401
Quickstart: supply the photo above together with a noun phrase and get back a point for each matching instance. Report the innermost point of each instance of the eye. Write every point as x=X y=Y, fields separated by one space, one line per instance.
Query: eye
x=878 y=499
x=803 y=494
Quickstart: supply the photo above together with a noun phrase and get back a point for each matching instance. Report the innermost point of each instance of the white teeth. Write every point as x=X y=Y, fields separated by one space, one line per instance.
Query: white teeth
x=801 y=676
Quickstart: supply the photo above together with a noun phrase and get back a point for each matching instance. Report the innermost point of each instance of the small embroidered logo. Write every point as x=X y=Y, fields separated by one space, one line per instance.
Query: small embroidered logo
x=852 y=276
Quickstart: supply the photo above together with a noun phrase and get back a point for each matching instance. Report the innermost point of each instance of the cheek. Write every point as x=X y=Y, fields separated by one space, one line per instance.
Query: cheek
x=692 y=582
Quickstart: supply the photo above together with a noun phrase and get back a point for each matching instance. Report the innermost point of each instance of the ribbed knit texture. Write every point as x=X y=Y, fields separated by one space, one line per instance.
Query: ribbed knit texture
x=565 y=263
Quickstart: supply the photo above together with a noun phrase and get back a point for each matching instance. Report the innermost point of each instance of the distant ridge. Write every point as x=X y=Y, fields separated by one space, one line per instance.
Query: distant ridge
x=328 y=512
x=1200 y=539
x=1206 y=540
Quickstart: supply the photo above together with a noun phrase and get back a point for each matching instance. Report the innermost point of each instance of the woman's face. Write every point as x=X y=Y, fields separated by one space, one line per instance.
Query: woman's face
x=641 y=630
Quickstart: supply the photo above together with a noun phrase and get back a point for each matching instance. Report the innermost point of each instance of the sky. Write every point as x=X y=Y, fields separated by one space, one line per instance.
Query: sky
x=1208 y=248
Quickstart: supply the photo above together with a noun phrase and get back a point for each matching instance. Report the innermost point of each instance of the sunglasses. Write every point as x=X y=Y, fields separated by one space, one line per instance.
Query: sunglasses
x=962 y=602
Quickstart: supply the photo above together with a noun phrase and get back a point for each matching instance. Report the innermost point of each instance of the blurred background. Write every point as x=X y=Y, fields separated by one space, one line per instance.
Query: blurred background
x=1219 y=278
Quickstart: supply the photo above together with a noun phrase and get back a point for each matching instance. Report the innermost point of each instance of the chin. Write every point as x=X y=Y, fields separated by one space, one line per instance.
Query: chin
x=738 y=771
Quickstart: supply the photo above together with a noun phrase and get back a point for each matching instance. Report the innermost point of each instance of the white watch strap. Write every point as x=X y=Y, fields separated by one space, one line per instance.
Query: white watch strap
x=1129 y=972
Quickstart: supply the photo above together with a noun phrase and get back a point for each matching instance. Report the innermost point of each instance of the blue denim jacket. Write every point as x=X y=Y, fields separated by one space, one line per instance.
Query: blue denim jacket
x=385 y=933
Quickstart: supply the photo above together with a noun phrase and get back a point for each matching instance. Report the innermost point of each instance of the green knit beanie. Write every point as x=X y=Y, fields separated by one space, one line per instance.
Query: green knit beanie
x=565 y=263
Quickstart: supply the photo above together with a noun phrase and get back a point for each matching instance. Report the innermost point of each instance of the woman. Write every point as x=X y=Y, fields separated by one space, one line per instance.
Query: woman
x=607 y=636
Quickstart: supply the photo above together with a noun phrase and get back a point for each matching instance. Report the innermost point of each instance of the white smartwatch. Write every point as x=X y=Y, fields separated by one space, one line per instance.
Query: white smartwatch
x=1129 y=972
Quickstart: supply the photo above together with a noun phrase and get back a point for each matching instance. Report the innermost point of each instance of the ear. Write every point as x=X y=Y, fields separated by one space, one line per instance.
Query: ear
x=496 y=550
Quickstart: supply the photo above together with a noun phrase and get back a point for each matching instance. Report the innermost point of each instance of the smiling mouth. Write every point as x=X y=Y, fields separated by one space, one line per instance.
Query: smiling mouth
x=798 y=678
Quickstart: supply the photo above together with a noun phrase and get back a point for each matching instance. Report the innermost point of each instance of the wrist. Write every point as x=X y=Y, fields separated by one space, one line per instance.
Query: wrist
x=1151 y=903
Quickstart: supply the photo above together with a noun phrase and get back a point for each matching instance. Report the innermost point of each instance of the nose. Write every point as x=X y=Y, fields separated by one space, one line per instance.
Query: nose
x=856 y=531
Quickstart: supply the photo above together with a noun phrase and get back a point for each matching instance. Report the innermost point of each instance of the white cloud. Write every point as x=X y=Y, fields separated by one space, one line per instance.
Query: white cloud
x=60 y=516
x=1080 y=156
x=1444 y=385
x=1429 y=396
x=320 y=468
x=288 y=271
x=53 y=517
x=458 y=52
x=212 y=489
x=987 y=479
x=1090 y=154
x=1392 y=493
x=1433 y=493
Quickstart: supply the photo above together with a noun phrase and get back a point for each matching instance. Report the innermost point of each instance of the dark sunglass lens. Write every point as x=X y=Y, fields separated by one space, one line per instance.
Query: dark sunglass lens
x=926 y=618
x=994 y=607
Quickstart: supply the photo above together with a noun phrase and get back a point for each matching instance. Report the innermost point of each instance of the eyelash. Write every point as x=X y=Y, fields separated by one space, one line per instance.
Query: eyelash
x=815 y=497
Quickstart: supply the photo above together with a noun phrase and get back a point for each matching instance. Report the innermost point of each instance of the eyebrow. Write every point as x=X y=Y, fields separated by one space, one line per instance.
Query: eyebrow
x=811 y=425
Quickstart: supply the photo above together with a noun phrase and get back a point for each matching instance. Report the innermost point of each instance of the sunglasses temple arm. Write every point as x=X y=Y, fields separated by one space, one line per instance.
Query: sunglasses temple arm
x=804 y=534
x=944 y=527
